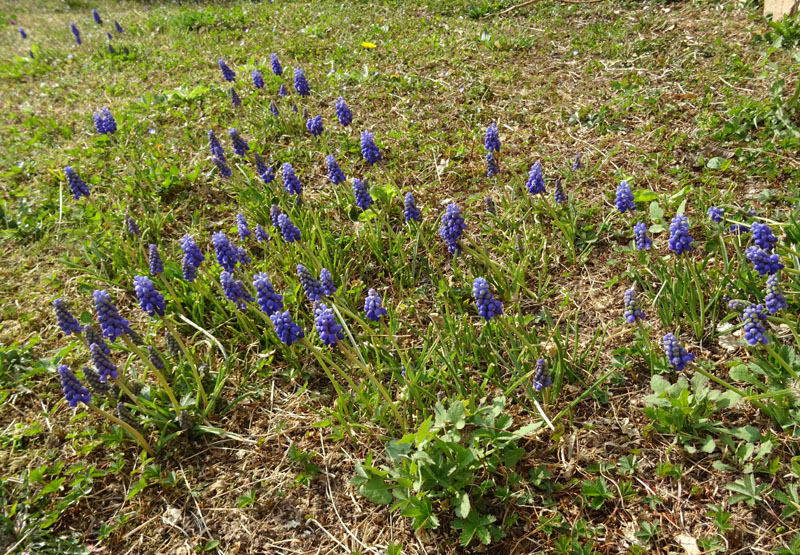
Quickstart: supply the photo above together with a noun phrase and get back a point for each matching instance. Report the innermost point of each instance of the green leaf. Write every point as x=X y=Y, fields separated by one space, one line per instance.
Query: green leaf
x=462 y=505
x=137 y=487
x=709 y=445
x=656 y=212
x=747 y=433
x=659 y=384
x=718 y=163
x=52 y=487
x=643 y=195
x=376 y=490
x=422 y=434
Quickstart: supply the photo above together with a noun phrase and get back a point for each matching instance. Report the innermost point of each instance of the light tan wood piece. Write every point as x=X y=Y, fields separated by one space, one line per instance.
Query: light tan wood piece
x=780 y=8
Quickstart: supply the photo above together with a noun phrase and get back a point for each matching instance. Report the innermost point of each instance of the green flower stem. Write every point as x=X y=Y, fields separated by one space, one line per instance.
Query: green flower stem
x=189 y=356
x=127 y=427
x=155 y=371
x=782 y=362
x=726 y=385
x=176 y=301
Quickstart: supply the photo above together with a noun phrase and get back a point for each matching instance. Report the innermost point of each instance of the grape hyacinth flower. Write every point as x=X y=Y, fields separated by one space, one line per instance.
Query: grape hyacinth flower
x=286 y=328
x=95 y=384
x=235 y=100
x=269 y=301
x=240 y=146
x=76 y=184
x=74 y=390
x=118 y=27
x=124 y=414
x=112 y=324
x=739 y=229
x=372 y=306
x=335 y=173
x=216 y=149
x=643 y=242
x=266 y=174
x=488 y=306
x=191 y=251
x=96 y=17
x=282 y=91
x=491 y=165
x=774 y=299
x=492 y=140
x=679 y=239
x=111 y=49
x=22 y=33
x=277 y=69
x=633 y=311
x=676 y=354
x=452 y=227
x=535 y=182
x=294 y=108
x=541 y=377
x=326 y=282
x=258 y=80
x=156 y=264
x=369 y=149
x=273 y=108
x=93 y=336
x=577 y=165
x=227 y=255
x=343 y=113
x=235 y=290
x=624 y=200
x=558 y=194
x=763 y=236
x=105 y=367
x=155 y=359
x=99 y=123
x=242 y=256
x=716 y=214
x=189 y=271
x=150 y=300
x=363 y=198
x=242 y=227
x=764 y=262
x=311 y=287
x=410 y=210
x=172 y=346
x=290 y=181
x=222 y=166
x=314 y=125
x=274 y=214
x=300 y=83
x=289 y=231
x=66 y=321
x=74 y=29
x=104 y=122
x=329 y=331
x=262 y=236
x=227 y=73
x=754 y=329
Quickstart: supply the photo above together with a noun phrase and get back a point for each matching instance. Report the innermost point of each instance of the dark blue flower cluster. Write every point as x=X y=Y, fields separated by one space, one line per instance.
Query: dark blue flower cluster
x=155 y=359
x=262 y=236
x=410 y=210
x=739 y=229
x=676 y=354
x=558 y=194
x=335 y=173
x=277 y=68
x=774 y=298
x=329 y=331
x=577 y=164
x=156 y=264
x=624 y=200
x=488 y=306
x=452 y=227
x=300 y=83
x=235 y=290
x=104 y=122
x=716 y=214
x=492 y=140
x=192 y=257
x=373 y=306
x=66 y=321
x=242 y=257
x=76 y=184
x=75 y=32
x=216 y=149
x=763 y=236
x=491 y=165
x=282 y=91
x=74 y=390
x=150 y=300
x=93 y=336
x=112 y=324
x=227 y=73
x=266 y=174
x=96 y=17
x=258 y=80
x=22 y=33
x=242 y=227
x=235 y=100
x=222 y=166
x=97 y=386
x=273 y=108
x=326 y=281
x=286 y=328
x=118 y=27
x=679 y=239
x=240 y=146
x=130 y=225
x=535 y=184
x=369 y=150
x=343 y=113
x=541 y=377
x=754 y=329
x=268 y=300
x=314 y=125
x=105 y=367
x=764 y=262
x=290 y=181
x=363 y=198
x=227 y=254
x=274 y=215
x=633 y=311
x=311 y=287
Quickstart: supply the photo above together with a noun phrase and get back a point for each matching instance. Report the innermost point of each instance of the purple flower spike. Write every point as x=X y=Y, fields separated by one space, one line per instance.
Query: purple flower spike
x=262 y=236
x=289 y=231
x=112 y=324
x=541 y=377
x=227 y=255
x=335 y=173
x=373 y=306
x=234 y=290
x=74 y=29
x=764 y=262
x=492 y=140
x=222 y=166
x=155 y=359
x=326 y=281
x=283 y=92
x=329 y=331
x=216 y=149
x=156 y=264
x=558 y=193
x=535 y=184
x=716 y=214
x=311 y=287
x=754 y=329
x=363 y=198
x=451 y=228
x=491 y=165
x=643 y=242
x=266 y=174
x=269 y=301
x=343 y=113
x=118 y=27
x=774 y=299
x=22 y=33
x=676 y=354
x=227 y=73
x=277 y=68
x=74 y=391
x=258 y=80
x=314 y=125
x=105 y=367
x=488 y=306
x=191 y=251
x=235 y=100
x=96 y=17
x=189 y=271
x=242 y=227
x=274 y=214
x=679 y=239
x=76 y=184
x=369 y=150
x=273 y=108
x=290 y=181
x=763 y=236
x=93 y=335
x=633 y=311
x=300 y=83
x=577 y=165
x=410 y=210
x=286 y=328
x=240 y=146
x=242 y=257
x=66 y=321
x=150 y=300
x=624 y=200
